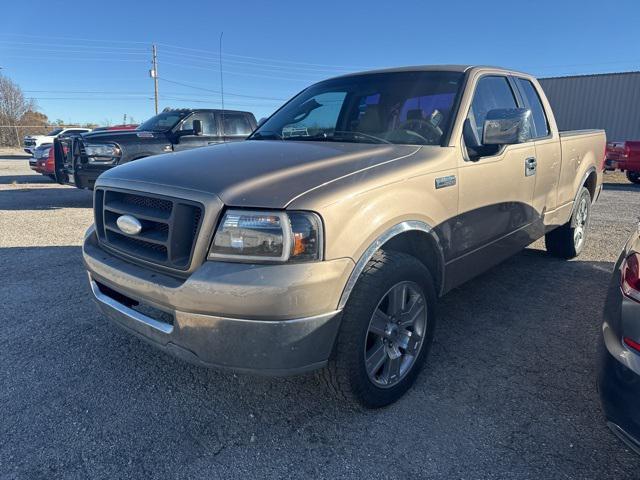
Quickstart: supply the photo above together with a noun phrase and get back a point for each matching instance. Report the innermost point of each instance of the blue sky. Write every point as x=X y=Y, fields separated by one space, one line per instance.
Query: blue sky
x=89 y=61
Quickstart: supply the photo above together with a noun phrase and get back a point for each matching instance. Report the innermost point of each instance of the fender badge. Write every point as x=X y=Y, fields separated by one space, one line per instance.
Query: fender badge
x=448 y=181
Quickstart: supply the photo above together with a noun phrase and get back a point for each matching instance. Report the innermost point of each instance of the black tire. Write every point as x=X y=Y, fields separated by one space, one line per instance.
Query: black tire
x=346 y=374
x=563 y=241
x=633 y=177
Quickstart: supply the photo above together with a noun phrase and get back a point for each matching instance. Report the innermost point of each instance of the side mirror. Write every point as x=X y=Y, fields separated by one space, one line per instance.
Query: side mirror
x=197 y=127
x=261 y=121
x=507 y=126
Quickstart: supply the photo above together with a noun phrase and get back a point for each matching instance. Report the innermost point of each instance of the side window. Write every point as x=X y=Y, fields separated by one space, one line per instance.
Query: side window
x=491 y=92
x=532 y=102
x=208 y=123
x=235 y=124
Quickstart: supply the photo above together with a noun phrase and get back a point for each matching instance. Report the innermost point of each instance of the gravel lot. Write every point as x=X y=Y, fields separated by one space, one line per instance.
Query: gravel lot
x=509 y=391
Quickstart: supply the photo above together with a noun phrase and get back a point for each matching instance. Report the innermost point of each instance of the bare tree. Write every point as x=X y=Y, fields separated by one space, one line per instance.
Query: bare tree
x=13 y=107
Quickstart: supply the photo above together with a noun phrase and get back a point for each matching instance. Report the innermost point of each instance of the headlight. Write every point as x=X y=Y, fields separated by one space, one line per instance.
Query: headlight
x=245 y=235
x=102 y=152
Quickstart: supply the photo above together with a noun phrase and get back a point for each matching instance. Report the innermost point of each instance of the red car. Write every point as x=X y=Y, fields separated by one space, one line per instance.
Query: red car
x=624 y=156
x=45 y=165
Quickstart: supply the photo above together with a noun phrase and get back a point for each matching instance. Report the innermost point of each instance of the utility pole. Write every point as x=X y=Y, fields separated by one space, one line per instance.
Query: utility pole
x=125 y=119
x=154 y=75
x=221 y=81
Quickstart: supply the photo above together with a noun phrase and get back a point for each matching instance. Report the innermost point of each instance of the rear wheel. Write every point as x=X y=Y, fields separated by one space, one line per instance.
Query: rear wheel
x=568 y=240
x=633 y=177
x=386 y=331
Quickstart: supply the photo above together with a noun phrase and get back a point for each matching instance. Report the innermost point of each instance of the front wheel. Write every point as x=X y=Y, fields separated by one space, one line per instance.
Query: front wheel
x=633 y=177
x=386 y=331
x=568 y=240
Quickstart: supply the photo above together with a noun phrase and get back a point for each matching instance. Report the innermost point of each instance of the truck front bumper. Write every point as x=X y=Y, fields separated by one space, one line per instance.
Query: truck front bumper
x=278 y=319
x=86 y=178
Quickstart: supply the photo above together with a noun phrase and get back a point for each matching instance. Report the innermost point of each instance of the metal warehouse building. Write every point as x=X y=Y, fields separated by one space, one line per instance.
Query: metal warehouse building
x=610 y=101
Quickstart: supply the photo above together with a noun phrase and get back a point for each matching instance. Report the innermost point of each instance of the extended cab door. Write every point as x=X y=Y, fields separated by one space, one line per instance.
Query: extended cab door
x=547 y=144
x=495 y=187
x=184 y=140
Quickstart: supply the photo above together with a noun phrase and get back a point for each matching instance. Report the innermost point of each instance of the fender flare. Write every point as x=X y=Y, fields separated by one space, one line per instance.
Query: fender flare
x=407 y=226
x=589 y=171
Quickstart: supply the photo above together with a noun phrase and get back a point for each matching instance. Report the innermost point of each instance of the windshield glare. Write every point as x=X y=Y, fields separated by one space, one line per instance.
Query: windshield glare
x=401 y=107
x=162 y=122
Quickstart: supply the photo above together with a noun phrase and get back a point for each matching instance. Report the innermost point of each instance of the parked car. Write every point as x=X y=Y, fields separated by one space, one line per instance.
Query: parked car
x=172 y=130
x=624 y=156
x=324 y=240
x=619 y=369
x=39 y=153
x=31 y=142
x=44 y=162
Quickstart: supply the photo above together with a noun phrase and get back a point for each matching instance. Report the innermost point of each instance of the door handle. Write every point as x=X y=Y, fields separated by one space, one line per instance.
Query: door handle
x=530 y=166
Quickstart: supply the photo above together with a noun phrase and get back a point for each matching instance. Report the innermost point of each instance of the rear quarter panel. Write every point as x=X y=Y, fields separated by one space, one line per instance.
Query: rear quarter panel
x=582 y=151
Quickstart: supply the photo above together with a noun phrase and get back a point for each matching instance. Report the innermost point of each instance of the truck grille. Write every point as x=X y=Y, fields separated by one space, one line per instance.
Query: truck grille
x=169 y=226
x=29 y=143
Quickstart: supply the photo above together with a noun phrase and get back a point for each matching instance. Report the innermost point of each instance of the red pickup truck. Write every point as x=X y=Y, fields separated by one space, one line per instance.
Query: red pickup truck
x=624 y=156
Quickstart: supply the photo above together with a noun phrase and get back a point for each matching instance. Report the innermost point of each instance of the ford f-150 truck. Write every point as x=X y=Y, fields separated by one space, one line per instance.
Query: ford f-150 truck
x=91 y=154
x=325 y=239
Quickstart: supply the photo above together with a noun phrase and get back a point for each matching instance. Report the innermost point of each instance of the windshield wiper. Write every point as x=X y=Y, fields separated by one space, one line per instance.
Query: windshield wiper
x=336 y=136
x=317 y=137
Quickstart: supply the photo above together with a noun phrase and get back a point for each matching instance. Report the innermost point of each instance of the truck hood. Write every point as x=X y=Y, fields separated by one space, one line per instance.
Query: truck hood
x=258 y=173
x=121 y=135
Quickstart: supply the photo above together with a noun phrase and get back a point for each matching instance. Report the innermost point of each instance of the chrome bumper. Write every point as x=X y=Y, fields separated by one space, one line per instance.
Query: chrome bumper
x=281 y=340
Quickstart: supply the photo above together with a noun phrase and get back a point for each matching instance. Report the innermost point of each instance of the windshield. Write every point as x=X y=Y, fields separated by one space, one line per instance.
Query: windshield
x=401 y=107
x=163 y=121
x=55 y=132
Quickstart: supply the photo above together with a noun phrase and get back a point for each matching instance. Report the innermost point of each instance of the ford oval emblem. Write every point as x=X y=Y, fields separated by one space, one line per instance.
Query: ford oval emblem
x=129 y=225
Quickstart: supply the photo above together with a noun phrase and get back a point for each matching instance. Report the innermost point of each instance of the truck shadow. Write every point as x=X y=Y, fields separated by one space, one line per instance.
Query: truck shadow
x=24 y=179
x=514 y=345
x=621 y=187
x=43 y=198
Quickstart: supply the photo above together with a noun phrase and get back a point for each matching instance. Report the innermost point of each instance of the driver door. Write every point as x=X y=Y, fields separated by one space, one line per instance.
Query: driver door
x=495 y=189
x=209 y=135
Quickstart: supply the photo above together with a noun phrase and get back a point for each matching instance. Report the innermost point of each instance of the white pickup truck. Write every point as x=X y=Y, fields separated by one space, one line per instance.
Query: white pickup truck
x=31 y=142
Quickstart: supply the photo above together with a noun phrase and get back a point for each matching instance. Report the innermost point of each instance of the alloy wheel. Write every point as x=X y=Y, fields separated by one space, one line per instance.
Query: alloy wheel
x=395 y=334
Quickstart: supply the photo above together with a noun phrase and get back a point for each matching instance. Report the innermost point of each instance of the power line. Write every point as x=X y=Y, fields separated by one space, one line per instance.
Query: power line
x=75 y=39
x=218 y=91
x=212 y=60
x=22 y=57
x=181 y=65
x=134 y=42
x=63 y=45
x=262 y=58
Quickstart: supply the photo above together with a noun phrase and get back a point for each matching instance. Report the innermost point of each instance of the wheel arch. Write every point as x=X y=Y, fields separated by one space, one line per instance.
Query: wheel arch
x=590 y=181
x=414 y=237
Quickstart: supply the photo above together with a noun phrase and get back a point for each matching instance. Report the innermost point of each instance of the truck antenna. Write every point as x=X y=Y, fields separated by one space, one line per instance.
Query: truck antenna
x=221 y=82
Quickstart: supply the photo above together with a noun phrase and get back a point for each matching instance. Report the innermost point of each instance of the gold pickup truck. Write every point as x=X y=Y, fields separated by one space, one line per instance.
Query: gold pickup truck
x=325 y=239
